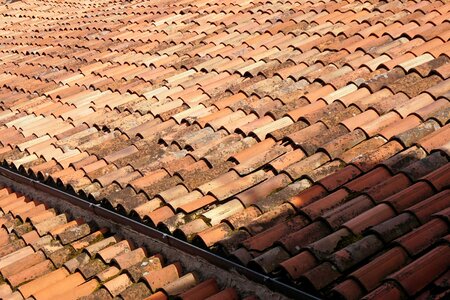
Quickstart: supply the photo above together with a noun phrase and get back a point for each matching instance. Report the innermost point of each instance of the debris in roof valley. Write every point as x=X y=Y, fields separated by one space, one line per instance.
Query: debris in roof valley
x=306 y=140
x=46 y=254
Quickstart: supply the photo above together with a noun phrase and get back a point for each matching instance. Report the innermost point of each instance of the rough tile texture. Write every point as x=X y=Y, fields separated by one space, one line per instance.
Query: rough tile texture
x=47 y=255
x=305 y=139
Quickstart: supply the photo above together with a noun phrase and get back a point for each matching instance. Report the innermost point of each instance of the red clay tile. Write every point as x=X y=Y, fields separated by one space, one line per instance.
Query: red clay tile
x=371 y=158
x=262 y=190
x=157 y=296
x=188 y=230
x=432 y=110
x=298 y=113
x=226 y=294
x=129 y=259
x=33 y=272
x=414 y=104
x=349 y=289
x=250 y=180
x=244 y=217
x=404 y=159
x=435 y=139
x=339 y=145
x=203 y=290
x=361 y=119
x=426 y=165
x=421 y=238
x=427 y=268
x=82 y=290
x=43 y=282
x=118 y=284
x=287 y=159
x=377 y=125
x=318 y=207
x=325 y=246
x=159 y=215
x=181 y=285
x=424 y=209
x=64 y=285
x=298 y=264
x=25 y=262
x=309 y=195
x=210 y=236
x=411 y=136
x=376 y=97
x=439 y=177
x=370 y=218
x=369 y=179
x=388 y=187
x=386 y=291
x=297 y=240
x=108 y=274
x=385 y=73
x=351 y=209
x=400 y=127
x=267 y=262
x=322 y=275
x=295 y=171
x=159 y=278
x=228 y=209
x=410 y=196
x=372 y=273
x=111 y=252
x=265 y=238
x=257 y=148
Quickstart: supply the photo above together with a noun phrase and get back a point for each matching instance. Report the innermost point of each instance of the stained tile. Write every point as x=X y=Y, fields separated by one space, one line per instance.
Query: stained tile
x=233 y=127
x=431 y=261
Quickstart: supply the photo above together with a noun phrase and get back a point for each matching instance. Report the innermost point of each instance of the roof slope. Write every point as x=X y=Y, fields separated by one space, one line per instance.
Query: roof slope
x=45 y=254
x=305 y=139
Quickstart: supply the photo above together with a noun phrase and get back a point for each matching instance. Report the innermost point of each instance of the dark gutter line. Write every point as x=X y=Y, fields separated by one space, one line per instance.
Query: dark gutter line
x=217 y=260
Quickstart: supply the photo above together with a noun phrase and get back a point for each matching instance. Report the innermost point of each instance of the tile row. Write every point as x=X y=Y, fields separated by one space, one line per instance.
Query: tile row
x=255 y=129
x=45 y=254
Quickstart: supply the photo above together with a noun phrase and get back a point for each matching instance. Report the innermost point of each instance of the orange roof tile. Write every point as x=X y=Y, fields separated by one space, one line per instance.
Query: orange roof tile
x=286 y=135
x=79 y=260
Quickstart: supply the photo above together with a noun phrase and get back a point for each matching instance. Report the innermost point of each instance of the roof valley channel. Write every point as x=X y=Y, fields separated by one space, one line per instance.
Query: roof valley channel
x=280 y=137
x=91 y=246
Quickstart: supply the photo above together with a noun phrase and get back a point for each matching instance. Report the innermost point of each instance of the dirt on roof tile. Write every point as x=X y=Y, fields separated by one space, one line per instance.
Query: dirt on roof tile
x=71 y=272
x=236 y=126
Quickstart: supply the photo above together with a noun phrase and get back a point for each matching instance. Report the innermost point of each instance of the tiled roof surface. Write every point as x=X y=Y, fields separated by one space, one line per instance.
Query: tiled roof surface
x=308 y=140
x=47 y=255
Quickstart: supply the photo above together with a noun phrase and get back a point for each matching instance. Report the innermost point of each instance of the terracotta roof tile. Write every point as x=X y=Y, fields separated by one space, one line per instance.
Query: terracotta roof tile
x=29 y=273
x=236 y=126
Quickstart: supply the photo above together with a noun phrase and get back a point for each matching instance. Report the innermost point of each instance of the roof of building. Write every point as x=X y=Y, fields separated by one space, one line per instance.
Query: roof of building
x=46 y=254
x=308 y=140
